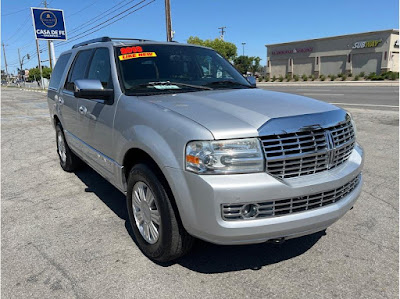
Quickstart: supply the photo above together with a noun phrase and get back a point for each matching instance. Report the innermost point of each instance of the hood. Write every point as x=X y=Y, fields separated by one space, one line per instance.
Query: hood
x=238 y=113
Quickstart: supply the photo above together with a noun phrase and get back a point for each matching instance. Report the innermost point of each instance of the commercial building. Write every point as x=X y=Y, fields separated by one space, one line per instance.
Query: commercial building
x=367 y=52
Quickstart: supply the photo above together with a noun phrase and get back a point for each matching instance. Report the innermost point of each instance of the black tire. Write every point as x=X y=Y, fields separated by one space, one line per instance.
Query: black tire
x=71 y=162
x=173 y=240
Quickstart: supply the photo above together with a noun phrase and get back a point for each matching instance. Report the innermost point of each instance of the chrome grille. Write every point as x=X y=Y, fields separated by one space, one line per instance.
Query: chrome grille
x=286 y=206
x=307 y=152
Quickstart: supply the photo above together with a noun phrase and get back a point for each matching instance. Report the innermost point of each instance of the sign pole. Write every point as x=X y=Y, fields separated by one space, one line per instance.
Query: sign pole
x=39 y=64
x=52 y=53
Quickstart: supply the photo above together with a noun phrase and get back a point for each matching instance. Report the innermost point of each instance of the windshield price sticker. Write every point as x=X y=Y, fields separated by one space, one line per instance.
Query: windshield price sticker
x=137 y=55
x=129 y=50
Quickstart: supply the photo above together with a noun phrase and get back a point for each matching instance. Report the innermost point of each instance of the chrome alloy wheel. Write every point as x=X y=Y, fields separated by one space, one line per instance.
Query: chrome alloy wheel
x=146 y=213
x=61 y=147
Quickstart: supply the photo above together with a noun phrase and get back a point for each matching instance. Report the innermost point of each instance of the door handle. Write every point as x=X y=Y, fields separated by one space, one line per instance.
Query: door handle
x=61 y=101
x=82 y=110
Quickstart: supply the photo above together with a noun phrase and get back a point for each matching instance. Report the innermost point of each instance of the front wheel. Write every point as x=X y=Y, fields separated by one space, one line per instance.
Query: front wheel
x=156 y=226
x=68 y=160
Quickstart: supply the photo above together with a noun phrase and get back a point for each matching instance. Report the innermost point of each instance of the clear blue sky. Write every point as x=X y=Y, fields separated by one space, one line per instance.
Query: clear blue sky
x=256 y=22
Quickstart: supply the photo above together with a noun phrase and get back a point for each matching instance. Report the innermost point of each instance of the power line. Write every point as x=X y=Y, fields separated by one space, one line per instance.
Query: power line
x=79 y=11
x=77 y=37
x=100 y=16
x=12 y=13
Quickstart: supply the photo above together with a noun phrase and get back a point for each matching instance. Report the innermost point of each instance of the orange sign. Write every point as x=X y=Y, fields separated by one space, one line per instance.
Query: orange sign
x=137 y=55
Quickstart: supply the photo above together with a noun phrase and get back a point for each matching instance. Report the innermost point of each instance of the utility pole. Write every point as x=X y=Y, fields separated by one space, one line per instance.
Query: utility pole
x=243 y=47
x=222 y=31
x=49 y=44
x=5 y=62
x=20 y=64
x=168 y=20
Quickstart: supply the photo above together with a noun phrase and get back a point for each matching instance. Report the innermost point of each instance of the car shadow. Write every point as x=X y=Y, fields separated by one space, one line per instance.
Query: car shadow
x=204 y=257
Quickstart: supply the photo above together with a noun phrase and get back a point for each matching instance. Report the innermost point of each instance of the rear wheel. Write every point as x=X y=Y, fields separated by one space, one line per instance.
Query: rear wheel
x=155 y=224
x=68 y=160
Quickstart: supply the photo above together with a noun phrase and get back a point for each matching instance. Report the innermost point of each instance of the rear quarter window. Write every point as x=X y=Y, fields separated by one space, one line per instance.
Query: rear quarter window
x=58 y=71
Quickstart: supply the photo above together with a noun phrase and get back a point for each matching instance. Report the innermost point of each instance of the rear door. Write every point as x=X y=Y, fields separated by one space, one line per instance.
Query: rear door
x=55 y=83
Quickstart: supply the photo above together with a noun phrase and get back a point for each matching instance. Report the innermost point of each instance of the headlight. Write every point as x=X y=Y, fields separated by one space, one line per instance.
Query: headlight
x=226 y=156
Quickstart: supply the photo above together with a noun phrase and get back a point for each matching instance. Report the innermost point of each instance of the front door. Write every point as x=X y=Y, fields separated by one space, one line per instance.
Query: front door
x=95 y=117
x=68 y=104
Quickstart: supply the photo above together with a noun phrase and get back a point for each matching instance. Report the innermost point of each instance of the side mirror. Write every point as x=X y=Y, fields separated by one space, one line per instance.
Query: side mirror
x=252 y=81
x=92 y=89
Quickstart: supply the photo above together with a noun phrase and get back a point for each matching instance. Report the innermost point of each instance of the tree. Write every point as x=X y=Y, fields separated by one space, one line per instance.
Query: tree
x=246 y=64
x=34 y=73
x=243 y=63
x=226 y=49
x=255 y=67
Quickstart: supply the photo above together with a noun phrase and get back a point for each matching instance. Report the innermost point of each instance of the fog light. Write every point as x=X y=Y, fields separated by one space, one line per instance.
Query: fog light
x=249 y=211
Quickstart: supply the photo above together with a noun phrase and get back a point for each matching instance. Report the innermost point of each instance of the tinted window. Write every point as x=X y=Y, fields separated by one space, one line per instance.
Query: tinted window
x=78 y=70
x=59 y=70
x=100 y=68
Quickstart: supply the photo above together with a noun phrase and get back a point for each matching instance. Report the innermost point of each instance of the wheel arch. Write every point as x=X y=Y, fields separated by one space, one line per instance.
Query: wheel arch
x=136 y=156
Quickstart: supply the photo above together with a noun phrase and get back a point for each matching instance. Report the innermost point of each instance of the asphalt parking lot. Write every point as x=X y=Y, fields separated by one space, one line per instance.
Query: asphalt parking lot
x=65 y=235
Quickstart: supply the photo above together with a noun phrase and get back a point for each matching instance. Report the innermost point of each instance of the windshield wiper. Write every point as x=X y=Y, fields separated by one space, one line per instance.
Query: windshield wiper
x=168 y=83
x=227 y=82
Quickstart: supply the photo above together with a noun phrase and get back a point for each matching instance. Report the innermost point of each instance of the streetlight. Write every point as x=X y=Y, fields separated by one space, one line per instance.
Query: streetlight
x=243 y=47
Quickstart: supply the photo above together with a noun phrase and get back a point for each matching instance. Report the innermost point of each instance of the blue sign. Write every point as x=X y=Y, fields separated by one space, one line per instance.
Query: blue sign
x=48 y=23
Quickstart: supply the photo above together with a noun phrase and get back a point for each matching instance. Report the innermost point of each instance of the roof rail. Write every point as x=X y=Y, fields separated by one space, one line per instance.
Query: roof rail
x=138 y=39
x=107 y=39
x=96 y=40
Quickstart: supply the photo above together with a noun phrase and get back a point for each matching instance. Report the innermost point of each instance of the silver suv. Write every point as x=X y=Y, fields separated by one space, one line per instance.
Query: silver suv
x=197 y=149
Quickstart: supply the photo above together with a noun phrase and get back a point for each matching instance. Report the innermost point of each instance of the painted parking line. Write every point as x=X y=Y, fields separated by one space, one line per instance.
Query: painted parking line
x=365 y=105
x=324 y=94
x=312 y=90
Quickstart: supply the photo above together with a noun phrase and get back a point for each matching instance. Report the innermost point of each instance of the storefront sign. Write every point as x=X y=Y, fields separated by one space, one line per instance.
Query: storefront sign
x=49 y=23
x=366 y=44
x=293 y=51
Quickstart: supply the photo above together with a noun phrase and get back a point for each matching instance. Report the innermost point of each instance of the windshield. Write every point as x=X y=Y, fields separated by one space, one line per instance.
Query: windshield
x=174 y=68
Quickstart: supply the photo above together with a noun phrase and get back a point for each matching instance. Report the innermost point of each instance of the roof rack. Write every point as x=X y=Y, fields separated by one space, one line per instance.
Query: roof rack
x=107 y=39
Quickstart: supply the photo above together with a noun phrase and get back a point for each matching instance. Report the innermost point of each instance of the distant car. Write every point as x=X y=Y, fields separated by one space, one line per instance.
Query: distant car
x=197 y=149
x=3 y=82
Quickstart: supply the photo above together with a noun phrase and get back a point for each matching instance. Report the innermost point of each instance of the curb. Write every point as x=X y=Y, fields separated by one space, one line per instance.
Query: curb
x=27 y=89
x=350 y=83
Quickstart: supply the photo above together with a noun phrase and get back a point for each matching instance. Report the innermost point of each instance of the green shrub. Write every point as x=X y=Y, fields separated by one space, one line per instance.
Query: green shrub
x=344 y=77
x=280 y=78
x=371 y=75
x=350 y=74
x=333 y=77
x=273 y=78
x=362 y=74
x=296 y=78
x=394 y=76
x=322 y=78
x=267 y=78
x=304 y=77
x=312 y=77
x=356 y=78
x=340 y=75
x=260 y=79
x=377 y=78
x=288 y=77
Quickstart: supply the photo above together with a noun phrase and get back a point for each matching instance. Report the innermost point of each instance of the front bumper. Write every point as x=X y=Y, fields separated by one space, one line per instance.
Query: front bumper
x=199 y=199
